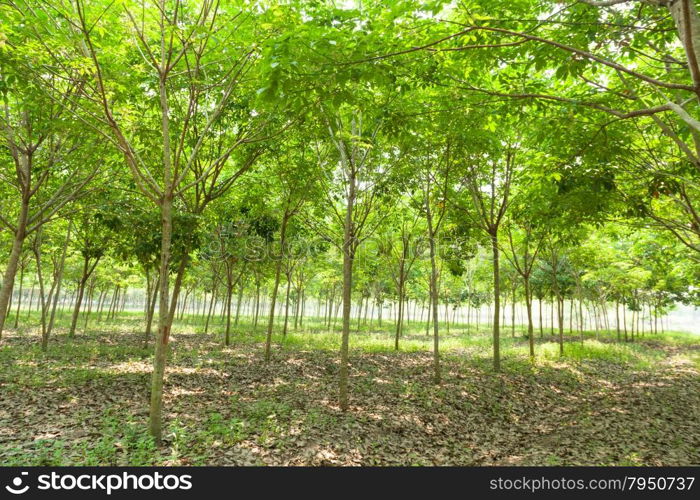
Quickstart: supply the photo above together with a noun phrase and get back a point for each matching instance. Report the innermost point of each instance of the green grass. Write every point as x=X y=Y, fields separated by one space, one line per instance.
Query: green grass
x=120 y=443
x=636 y=355
x=314 y=335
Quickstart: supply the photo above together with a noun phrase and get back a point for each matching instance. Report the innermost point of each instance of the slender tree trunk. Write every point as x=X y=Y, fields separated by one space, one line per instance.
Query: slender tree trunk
x=571 y=316
x=9 y=305
x=560 y=318
x=100 y=304
x=496 y=303
x=275 y=288
x=437 y=371
x=151 y=300
x=229 y=294
x=19 y=297
x=530 y=329
x=59 y=281
x=212 y=301
x=91 y=293
x=40 y=277
x=297 y=306
x=286 y=308
x=512 y=313
x=335 y=313
x=183 y=306
x=427 y=319
x=8 y=279
x=87 y=271
x=76 y=309
x=31 y=302
x=164 y=321
x=503 y=309
x=348 y=258
x=551 y=318
x=447 y=316
x=400 y=318
x=125 y=295
x=632 y=324
x=469 y=317
x=256 y=312
x=239 y=300
x=113 y=303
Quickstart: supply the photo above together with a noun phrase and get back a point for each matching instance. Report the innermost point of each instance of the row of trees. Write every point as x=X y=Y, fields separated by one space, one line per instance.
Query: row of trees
x=372 y=150
x=588 y=280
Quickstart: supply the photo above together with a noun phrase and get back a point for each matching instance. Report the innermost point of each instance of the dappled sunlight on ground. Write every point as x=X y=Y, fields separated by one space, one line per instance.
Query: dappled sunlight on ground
x=87 y=400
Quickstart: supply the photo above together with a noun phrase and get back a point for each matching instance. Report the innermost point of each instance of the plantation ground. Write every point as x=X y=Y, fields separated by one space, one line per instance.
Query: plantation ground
x=85 y=402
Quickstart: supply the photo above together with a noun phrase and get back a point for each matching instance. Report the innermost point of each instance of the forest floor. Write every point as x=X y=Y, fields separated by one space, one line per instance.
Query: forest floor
x=85 y=402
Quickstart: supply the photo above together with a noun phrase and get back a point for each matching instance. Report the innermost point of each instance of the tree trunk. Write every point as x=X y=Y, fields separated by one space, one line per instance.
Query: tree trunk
x=400 y=318
x=349 y=246
x=91 y=292
x=19 y=297
x=31 y=303
x=229 y=294
x=239 y=301
x=286 y=308
x=571 y=316
x=551 y=318
x=297 y=308
x=100 y=304
x=496 y=303
x=76 y=309
x=87 y=271
x=59 y=281
x=275 y=287
x=164 y=322
x=437 y=372
x=512 y=312
x=151 y=310
x=256 y=312
x=685 y=15
x=8 y=279
x=427 y=318
x=212 y=301
x=530 y=328
x=348 y=258
x=560 y=319
x=40 y=276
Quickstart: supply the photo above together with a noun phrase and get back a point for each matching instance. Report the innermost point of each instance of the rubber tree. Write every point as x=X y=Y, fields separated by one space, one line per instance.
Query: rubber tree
x=293 y=185
x=92 y=239
x=487 y=180
x=354 y=180
x=47 y=160
x=183 y=106
x=399 y=246
x=523 y=246
x=436 y=177
x=650 y=76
